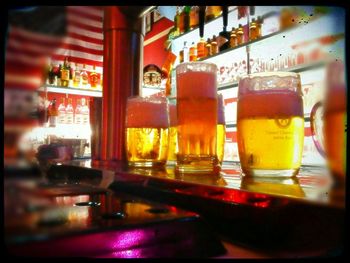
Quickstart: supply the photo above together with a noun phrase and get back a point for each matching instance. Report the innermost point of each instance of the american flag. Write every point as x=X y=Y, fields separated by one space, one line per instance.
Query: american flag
x=30 y=42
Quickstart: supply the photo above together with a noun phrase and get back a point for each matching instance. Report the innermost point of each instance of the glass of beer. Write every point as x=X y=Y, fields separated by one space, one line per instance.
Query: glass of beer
x=147 y=131
x=330 y=135
x=197 y=117
x=173 y=147
x=270 y=124
x=220 y=129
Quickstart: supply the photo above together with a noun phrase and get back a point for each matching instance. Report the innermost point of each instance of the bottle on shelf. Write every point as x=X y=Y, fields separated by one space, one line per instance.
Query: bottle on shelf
x=194 y=17
x=62 y=112
x=208 y=48
x=182 y=53
x=233 y=38
x=94 y=78
x=51 y=74
x=58 y=75
x=187 y=10
x=84 y=77
x=253 y=30
x=201 y=48
x=240 y=34
x=69 y=112
x=193 y=52
x=53 y=114
x=177 y=22
x=71 y=74
x=181 y=20
x=85 y=112
x=214 y=46
x=223 y=39
x=212 y=12
x=78 y=118
x=76 y=79
x=259 y=23
x=65 y=73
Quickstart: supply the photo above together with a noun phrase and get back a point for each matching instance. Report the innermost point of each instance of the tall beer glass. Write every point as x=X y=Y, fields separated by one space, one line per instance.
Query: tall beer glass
x=334 y=121
x=197 y=117
x=173 y=147
x=147 y=124
x=220 y=129
x=270 y=124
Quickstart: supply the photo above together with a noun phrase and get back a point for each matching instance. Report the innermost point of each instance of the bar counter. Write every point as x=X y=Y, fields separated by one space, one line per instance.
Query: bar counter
x=109 y=210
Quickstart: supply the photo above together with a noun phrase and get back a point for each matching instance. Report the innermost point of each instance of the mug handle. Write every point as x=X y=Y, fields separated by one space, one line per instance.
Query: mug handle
x=316 y=141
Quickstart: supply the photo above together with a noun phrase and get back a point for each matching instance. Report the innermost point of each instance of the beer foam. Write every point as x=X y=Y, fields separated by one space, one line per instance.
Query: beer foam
x=270 y=104
x=221 y=109
x=194 y=84
x=172 y=115
x=147 y=113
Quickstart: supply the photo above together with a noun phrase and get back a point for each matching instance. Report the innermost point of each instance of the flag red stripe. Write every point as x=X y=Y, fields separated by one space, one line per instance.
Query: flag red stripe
x=85 y=15
x=82 y=49
x=85 y=38
x=87 y=27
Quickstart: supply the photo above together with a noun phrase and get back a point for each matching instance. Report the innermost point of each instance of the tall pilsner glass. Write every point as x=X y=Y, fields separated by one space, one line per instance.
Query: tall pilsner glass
x=197 y=117
x=270 y=124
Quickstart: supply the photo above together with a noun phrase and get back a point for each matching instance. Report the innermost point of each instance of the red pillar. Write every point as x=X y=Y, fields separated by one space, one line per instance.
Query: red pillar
x=123 y=41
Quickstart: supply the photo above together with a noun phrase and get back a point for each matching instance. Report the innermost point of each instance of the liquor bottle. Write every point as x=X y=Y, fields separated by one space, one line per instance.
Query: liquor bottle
x=62 y=112
x=187 y=10
x=176 y=22
x=259 y=23
x=84 y=77
x=214 y=46
x=76 y=79
x=94 y=78
x=53 y=113
x=253 y=30
x=71 y=74
x=65 y=73
x=85 y=112
x=182 y=21
x=51 y=74
x=193 y=52
x=78 y=118
x=181 y=54
x=185 y=53
x=201 y=48
x=239 y=34
x=58 y=74
x=233 y=38
x=69 y=112
x=208 y=48
x=212 y=12
x=194 y=17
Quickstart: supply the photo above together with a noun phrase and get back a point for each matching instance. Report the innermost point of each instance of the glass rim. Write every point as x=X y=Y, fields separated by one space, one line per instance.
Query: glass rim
x=270 y=74
x=194 y=63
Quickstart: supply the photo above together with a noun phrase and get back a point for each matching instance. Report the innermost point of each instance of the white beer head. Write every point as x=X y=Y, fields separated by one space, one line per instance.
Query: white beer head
x=196 y=79
x=147 y=112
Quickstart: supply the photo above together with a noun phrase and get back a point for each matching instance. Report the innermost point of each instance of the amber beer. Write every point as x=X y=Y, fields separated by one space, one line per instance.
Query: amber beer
x=220 y=130
x=334 y=121
x=173 y=147
x=197 y=117
x=147 y=127
x=270 y=124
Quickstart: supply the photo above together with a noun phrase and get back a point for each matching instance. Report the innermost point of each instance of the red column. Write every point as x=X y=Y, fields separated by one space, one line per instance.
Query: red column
x=123 y=37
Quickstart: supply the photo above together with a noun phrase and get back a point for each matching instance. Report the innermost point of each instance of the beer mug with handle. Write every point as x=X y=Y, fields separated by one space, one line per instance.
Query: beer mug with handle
x=328 y=121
